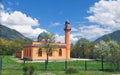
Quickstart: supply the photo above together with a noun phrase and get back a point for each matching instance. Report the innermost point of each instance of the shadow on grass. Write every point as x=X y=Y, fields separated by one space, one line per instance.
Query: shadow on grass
x=109 y=70
x=50 y=70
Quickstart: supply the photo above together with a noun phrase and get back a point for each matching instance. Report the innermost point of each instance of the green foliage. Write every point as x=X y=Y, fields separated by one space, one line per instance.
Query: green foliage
x=83 y=48
x=107 y=38
x=9 y=47
x=114 y=54
x=79 y=48
x=101 y=49
x=28 y=70
x=110 y=51
x=71 y=70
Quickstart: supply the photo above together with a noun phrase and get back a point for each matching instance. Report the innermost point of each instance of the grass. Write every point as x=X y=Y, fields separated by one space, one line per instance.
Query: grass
x=11 y=67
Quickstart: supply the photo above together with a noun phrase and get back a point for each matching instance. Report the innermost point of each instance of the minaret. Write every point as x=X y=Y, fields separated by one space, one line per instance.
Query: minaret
x=67 y=39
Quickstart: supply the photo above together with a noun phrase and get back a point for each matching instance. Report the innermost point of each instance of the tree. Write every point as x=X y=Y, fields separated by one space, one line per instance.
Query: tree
x=101 y=49
x=114 y=54
x=89 y=50
x=48 y=45
x=107 y=38
x=72 y=50
x=8 y=47
x=82 y=48
x=110 y=51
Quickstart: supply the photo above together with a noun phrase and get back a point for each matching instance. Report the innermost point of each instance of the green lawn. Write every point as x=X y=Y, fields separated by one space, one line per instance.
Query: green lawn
x=11 y=67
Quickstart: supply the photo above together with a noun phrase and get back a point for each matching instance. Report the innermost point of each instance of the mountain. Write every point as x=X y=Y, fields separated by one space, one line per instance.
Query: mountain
x=11 y=34
x=114 y=36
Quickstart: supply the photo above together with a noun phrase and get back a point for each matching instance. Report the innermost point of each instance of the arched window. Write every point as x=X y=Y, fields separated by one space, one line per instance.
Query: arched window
x=40 y=52
x=60 y=52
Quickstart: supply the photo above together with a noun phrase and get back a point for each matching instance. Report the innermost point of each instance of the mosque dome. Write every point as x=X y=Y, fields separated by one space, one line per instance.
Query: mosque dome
x=42 y=36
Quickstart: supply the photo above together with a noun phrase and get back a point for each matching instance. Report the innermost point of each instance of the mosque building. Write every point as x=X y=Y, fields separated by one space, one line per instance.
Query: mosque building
x=32 y=50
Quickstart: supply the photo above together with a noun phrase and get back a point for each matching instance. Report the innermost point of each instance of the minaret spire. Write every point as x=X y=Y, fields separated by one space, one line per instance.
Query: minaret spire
x=66 y=22
x=67 y=39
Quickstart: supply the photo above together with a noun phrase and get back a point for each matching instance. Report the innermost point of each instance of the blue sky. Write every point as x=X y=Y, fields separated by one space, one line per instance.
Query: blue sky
x=50 y=11
x=50 y=15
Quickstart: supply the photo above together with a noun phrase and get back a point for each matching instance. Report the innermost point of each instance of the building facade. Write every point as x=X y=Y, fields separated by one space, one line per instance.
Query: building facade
x=33 y=51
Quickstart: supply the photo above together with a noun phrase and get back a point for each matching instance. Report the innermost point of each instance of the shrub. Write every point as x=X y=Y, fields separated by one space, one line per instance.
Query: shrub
x=71 y=70
x=28 y=70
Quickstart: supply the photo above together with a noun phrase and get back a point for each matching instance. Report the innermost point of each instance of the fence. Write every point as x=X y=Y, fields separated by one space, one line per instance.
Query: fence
x=0 y=66
x=7 y=65
x=79 y=65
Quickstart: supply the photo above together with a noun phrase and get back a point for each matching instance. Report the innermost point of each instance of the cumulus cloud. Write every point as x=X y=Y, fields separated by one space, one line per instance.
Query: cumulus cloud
x=106 y=15
x=22 y=23
x=18 y=18
x=74 y=29
x=55 y=24
x=59 y=38
x=93 y=31
x=73 y=38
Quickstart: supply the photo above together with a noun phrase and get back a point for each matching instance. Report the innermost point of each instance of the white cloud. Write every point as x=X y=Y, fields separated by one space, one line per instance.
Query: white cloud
x=106 y=13
x=22 y=23
x=59 y=38
x=93 y=31
x=28 y=31
x=55 y=24
x=74 y=29
x=89 y=32
x=18 y=18
x=73 y=38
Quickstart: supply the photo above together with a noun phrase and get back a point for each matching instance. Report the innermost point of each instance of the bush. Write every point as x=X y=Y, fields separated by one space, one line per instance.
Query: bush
x=71 y=70
x=28 y=70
